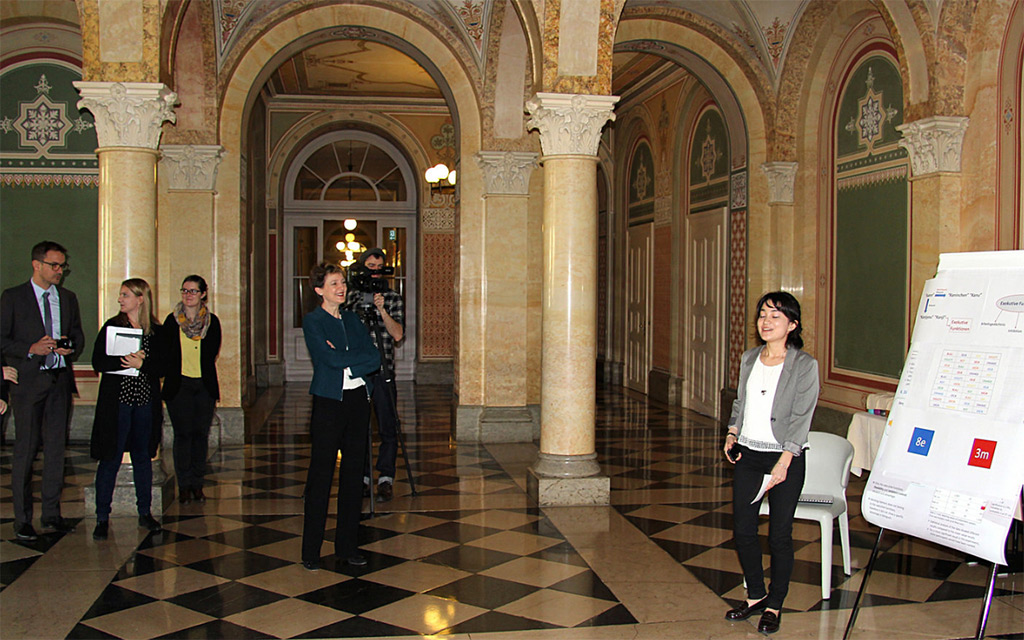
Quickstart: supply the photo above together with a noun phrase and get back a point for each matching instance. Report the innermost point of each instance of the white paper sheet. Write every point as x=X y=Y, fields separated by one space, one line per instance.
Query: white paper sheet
x=764 y=487
x=122 y=341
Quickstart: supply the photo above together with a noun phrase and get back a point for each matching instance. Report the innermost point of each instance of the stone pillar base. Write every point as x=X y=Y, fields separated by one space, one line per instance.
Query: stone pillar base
x=506 y=424
x=123 y=504
x=568 y=492
x=495 y=424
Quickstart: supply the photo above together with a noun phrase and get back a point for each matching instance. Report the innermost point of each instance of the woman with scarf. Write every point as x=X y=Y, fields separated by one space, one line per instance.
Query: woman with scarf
x=191 y=337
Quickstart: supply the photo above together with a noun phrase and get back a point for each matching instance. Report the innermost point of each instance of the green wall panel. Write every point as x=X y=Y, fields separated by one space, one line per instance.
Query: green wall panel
x=872 y=102
x=641 y=175
x=711 y=145
x=871 y=278
x=67 y=215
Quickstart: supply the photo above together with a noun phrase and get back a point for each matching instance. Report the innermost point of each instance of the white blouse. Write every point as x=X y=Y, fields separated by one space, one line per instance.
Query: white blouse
x=757 y=409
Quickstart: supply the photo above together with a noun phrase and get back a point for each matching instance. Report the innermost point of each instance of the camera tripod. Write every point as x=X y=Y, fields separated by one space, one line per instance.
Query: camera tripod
x=386 y=377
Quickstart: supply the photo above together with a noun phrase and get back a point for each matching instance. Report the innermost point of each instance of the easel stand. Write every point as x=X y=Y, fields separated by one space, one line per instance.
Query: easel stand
x=387 y=377
x=985 y=607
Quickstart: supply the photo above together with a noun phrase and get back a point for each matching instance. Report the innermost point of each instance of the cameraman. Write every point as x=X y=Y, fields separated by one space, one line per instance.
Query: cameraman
x=386 y=314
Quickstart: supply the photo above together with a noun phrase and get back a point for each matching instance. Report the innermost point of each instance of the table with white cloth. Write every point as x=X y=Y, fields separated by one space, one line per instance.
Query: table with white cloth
x=865 y=434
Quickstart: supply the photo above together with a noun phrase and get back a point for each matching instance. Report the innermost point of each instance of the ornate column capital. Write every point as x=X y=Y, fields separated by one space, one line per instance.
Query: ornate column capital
x=128 y=114
x=935 y=144
x=781 y=181
x=570 y=124
x=507 y=172
x=192 y=167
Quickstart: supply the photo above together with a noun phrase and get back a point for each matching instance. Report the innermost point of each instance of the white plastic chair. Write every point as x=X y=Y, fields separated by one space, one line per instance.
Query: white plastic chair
x=828 y=473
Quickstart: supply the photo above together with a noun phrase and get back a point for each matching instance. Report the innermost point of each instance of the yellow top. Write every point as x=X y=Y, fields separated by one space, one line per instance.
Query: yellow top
x=190 y=367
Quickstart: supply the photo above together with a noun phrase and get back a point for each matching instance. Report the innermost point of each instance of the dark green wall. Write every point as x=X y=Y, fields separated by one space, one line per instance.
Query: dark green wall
x=871 y=223
x=50 y=195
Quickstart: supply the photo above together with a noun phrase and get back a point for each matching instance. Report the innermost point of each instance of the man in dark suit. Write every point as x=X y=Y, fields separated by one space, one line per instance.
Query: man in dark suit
x=33 y=317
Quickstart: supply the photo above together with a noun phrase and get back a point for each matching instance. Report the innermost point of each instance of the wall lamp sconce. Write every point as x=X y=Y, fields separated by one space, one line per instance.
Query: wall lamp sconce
x=439 y=177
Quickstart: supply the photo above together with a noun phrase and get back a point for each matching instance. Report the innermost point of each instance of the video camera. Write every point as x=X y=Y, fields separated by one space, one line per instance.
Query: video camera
x=362 y=279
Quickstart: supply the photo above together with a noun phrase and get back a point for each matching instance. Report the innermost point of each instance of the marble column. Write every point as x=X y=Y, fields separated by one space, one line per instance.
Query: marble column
x=566 y=471
x=781 y=182
x=128 y=117
x=505 y=416
x=935 y=145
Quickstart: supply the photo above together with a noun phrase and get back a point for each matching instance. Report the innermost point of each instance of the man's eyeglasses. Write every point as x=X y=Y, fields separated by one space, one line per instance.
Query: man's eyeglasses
x=63 y=266
x=191 y=292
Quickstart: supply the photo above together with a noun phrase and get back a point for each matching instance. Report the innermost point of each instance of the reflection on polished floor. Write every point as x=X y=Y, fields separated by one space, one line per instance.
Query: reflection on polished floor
x=470 y=556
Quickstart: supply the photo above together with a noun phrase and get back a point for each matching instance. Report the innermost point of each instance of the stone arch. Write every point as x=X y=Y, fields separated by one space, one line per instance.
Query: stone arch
x=741 y=94
x=240 y=87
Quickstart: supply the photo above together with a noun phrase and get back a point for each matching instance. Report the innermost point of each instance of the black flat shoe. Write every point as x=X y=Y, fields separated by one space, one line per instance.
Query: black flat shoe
x=745 y=610
x=198 y=495
x=770 y=622
x=102 y=530
x=357 y=560
x=26 y=533
x=185 y=496
x=310 y=565
x=148 y=522
x=59 y=524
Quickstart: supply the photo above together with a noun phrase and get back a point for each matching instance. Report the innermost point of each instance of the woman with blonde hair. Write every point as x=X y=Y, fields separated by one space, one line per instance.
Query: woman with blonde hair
x=129 y=414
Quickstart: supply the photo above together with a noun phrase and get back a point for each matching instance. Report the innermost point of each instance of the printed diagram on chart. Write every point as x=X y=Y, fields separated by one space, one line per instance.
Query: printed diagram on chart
x=1011 y=308
x=965 y=381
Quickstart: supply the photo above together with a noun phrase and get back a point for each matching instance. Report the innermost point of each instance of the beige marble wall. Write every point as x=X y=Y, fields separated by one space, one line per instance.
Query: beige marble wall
x=184 y=243
x=238 y=87
x=120 y=40
x=127 y=221
x=505 y=302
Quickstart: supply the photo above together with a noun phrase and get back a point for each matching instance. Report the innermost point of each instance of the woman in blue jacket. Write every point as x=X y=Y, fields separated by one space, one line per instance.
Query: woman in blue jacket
x=775 y=400
x=343 y=357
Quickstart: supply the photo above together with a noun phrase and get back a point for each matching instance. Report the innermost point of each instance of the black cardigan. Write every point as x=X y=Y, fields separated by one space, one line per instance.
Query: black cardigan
x=103 y=444
x=208 y=350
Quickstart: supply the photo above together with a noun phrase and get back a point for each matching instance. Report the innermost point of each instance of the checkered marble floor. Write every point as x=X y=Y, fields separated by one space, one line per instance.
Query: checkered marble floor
x=469 y=553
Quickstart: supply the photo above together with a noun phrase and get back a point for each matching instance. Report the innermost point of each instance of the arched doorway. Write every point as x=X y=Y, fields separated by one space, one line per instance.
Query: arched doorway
x=347 y=191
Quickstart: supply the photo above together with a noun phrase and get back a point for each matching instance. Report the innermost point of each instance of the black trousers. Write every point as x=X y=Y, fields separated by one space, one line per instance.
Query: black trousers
x=387 y=425
x=42 y=404
x=336 y=426
x=782 y=499
x=191 y=411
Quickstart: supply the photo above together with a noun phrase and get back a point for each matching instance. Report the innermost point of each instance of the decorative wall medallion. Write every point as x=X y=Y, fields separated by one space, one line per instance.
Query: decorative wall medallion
x=471 y=12
x=709 y=155
x=41 y=123
x=641 y=182
x=775 y=36
x=867 y=124
x=444 y=142
x=1008 y=115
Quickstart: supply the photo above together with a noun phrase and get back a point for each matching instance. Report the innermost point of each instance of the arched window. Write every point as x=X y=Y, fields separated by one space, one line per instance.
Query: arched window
x=353 y=168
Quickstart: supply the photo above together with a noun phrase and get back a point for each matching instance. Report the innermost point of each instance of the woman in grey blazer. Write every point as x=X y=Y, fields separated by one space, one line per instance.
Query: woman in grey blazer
x=775 y=400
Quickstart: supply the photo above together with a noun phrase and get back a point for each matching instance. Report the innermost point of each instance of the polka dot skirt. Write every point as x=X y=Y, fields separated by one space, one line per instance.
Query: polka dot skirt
x=135 y=390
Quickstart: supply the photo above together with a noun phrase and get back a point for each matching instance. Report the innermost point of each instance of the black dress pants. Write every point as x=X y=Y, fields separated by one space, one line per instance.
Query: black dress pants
x=782 y=499
x=191 y=411
x=41 y=402
x=336 y=426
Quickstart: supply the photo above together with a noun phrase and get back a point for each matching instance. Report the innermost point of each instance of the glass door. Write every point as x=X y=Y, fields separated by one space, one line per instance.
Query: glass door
x=311 y=239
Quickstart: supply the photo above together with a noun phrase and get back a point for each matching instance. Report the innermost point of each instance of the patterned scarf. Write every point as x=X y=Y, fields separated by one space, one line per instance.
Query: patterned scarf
x=194 y=329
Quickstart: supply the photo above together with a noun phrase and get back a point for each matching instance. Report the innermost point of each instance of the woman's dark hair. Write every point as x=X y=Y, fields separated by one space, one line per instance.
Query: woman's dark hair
x=788 y=305
x=200 y=282
x=318 y=275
